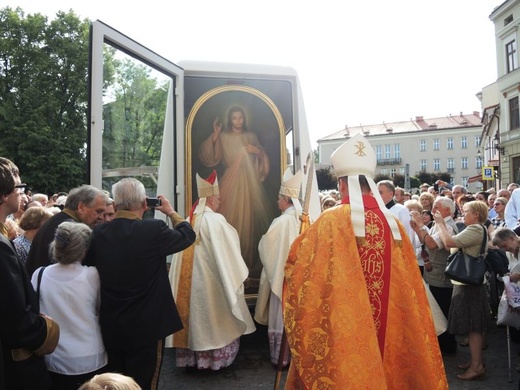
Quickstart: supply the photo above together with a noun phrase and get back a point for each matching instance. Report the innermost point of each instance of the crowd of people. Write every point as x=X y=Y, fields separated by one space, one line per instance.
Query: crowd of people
x=98 y=272
x=351 y=289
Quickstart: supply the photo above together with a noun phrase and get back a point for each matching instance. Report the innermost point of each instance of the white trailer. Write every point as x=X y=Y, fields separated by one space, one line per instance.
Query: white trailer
x=198 y=92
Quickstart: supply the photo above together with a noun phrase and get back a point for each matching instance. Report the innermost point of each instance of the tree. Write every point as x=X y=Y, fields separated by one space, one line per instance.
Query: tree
x=430 y=178
x=414 y=182
x=43 y=97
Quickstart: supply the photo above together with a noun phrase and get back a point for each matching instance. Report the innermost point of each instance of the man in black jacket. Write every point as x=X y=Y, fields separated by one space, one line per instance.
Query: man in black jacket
x=137 y=307
x=85 y=204
x=25 y=334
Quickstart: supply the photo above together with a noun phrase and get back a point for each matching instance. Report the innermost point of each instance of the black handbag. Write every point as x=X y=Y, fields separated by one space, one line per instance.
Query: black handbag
x=468 y=269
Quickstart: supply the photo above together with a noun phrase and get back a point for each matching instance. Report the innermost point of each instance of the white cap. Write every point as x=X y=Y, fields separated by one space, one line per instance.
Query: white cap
x=353 y=158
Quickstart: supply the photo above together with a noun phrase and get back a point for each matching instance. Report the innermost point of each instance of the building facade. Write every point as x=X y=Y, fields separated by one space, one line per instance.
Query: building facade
x=500 y=100
x=445 y=144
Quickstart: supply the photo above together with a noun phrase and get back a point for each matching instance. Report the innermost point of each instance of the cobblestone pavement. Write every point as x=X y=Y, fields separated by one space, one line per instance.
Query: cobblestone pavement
x=252 y=368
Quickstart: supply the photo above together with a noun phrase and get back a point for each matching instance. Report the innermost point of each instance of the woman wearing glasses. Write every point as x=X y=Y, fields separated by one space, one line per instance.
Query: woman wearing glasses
x=500 y=207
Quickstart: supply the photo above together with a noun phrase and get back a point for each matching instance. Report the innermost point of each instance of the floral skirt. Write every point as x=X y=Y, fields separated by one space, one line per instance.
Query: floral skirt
x=469 y=310
x=214 y=359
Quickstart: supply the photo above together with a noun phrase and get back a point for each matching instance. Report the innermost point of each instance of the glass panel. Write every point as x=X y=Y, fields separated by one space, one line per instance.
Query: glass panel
x=516 y=171
x=134 y=110
x=289 y=150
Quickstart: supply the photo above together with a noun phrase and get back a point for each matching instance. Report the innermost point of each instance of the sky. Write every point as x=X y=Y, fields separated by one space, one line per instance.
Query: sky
x=359 y=62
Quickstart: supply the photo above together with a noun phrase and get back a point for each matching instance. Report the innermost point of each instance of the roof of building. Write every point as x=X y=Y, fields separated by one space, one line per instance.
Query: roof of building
x=419 y=124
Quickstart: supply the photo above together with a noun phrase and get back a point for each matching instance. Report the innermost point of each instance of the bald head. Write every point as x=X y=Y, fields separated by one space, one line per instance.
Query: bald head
x=503 y=193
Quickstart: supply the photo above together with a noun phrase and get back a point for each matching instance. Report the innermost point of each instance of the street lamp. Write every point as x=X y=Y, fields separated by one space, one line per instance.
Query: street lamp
x=497 y=146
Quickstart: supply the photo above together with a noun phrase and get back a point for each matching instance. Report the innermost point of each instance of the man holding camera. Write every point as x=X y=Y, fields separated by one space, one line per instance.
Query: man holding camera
x=137 y=307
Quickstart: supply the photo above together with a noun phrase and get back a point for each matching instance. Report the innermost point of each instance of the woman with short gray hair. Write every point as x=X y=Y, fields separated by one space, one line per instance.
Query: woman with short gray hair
x=69 y=292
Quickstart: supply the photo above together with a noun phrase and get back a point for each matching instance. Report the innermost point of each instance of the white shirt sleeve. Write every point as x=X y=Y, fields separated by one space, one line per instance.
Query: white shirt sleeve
x=511 y=211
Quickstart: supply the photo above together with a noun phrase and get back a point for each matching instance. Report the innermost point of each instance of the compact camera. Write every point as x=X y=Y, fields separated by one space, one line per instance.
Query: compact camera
x=153 y=202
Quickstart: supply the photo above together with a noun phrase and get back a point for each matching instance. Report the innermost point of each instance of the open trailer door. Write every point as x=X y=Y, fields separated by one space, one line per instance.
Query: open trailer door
x=136 y=115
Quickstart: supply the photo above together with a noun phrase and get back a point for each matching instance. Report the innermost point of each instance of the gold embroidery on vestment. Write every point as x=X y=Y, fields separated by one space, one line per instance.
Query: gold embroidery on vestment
x=371 y=255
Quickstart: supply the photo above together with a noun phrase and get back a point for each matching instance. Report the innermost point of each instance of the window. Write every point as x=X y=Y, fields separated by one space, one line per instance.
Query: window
x=402 y=171
x=450 y=164
x=450 y=144
x=516 y=169
x=514 y=114
x=464 y=181
x=422 y=145
x=384 y=171
x=477 y=141
x=436 y=144
x=392 y=172
x=436 y=164
x=387 y=152
x=478 y=162
x=397 y=151
x=511 y=57
x=422 y=165
x=508 y=20
x=378 y=153
x=464 y=143
x=464 y=163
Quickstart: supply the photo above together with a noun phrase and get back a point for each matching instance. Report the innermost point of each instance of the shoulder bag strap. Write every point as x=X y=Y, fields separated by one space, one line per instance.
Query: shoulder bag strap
x=484 y=239
x=39 y=282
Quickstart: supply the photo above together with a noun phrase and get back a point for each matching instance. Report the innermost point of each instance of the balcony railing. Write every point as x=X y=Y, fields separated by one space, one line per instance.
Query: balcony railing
x=450 y=170
x=389 y=161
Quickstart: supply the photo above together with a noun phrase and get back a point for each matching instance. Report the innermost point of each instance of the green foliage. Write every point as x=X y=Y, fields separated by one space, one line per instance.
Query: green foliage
x=43 y=97
x=43 y=102
x=326 y=180
x=430 y=178
x=414 y=182
x=399 y=180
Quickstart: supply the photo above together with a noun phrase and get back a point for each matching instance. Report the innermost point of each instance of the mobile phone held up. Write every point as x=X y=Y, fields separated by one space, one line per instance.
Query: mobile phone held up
x=153 y=202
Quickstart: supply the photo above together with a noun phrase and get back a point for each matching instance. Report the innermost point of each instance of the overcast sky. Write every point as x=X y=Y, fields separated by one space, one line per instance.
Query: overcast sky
x=359 y=62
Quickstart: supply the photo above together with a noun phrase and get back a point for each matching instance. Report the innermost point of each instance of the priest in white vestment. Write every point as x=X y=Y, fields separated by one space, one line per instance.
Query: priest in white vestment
x=208 y=285
x=274 y=248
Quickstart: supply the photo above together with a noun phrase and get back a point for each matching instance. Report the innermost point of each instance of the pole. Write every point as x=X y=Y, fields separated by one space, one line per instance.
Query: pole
x=305 y=223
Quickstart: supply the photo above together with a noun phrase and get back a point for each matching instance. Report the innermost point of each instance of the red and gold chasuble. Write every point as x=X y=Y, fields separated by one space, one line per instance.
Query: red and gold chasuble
x=356 y=314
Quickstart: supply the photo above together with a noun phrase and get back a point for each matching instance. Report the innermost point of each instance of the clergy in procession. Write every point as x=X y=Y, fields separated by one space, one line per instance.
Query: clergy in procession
x=273 y=248
x=354 y=303
x=208 y=285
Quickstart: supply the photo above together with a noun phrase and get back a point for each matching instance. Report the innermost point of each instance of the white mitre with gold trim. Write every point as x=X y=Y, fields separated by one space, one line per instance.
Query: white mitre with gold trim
x=205 y=188
x=353 y=158
x=291 y=187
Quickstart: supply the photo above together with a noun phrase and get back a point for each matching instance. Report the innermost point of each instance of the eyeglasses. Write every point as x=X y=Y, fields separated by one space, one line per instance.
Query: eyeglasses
x=498 y=204
x=21 y=188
